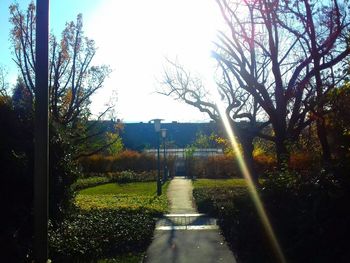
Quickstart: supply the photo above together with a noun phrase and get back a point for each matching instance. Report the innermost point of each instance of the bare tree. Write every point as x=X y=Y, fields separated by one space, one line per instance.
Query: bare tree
x=282 y=34
x=240 y=107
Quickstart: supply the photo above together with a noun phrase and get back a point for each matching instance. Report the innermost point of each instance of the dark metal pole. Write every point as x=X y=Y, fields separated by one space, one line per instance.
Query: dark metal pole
x=164 y=160
x=41 y=133
x=159 y=184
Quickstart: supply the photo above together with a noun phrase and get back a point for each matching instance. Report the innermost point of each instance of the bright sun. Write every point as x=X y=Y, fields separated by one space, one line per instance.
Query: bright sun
x=135 y=36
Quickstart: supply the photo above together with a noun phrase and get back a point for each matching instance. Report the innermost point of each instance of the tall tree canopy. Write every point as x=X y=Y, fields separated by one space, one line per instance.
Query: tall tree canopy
x=72 y=77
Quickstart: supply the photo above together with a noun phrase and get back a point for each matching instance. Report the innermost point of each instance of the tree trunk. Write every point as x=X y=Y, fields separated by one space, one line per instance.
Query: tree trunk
x=322 y=136
x=282 y=153
x=248 y=148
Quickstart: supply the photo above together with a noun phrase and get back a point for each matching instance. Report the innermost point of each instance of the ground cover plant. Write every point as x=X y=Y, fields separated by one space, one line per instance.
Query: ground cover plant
x=112 y=222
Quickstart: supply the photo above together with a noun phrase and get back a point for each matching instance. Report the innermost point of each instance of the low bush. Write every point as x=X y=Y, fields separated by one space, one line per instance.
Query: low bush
x=126 y=160
x=311 y=213
x=148 y=204
x=94 y=179
x=237 y=218
x=100 y=233
x=110 y=220
x=90 y=182
x=221 y=166
x=131 y=176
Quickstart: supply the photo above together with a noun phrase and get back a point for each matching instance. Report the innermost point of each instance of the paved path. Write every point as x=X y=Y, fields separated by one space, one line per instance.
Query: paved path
x=184 y=235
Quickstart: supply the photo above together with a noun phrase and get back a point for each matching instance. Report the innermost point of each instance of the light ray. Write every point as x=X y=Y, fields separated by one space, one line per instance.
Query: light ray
x=251 y=187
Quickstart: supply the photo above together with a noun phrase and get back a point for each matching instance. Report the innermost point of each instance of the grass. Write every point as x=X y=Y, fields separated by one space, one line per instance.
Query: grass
x=142 y=189
x=133 y=196
x=203 y=183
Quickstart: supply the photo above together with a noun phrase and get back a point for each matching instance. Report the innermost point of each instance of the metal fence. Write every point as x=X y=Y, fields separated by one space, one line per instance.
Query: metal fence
x=181 y=153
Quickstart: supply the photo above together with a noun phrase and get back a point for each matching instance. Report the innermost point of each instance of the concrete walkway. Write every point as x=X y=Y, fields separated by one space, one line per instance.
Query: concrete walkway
x=184 y=235
x=180 y=196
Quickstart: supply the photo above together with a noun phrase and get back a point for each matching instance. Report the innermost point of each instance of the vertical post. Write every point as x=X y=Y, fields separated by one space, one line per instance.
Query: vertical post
x=41 y=132
x=164 y=160
x=159 y=185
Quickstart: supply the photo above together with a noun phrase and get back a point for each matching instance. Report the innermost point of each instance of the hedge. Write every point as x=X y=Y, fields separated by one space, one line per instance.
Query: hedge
x=310 y=217
x=100 y=233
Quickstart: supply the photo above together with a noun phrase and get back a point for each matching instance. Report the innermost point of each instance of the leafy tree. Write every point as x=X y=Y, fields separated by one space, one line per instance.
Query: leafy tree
x=117 y=143
x=72 y=76
x=338 y=121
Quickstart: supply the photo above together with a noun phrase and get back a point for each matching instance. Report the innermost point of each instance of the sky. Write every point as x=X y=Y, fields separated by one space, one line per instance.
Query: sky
x=134 y=37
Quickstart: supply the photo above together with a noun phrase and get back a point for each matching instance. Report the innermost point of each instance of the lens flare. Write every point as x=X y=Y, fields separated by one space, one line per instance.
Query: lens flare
x=251 y=187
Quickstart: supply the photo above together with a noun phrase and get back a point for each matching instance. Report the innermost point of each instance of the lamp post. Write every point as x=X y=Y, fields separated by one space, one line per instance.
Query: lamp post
x=157 y=129
x=163 y=133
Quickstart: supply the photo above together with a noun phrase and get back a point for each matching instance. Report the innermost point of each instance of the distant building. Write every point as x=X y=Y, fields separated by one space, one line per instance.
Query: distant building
x=141 y=136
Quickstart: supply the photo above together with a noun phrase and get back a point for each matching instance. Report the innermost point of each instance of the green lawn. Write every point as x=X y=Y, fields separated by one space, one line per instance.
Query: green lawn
x=134 y=196
x=236 y=182
x=143 y=188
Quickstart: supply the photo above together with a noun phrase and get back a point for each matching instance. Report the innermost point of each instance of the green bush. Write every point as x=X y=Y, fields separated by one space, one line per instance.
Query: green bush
x=237 y=218
x=100 y=233
x=93 y=179
x=148 y=204
x=83 y=183
x=131 y=176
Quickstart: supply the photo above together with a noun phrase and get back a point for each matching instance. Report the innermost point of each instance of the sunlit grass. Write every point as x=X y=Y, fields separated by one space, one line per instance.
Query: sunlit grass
x=142 y=188
x=130 y=196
